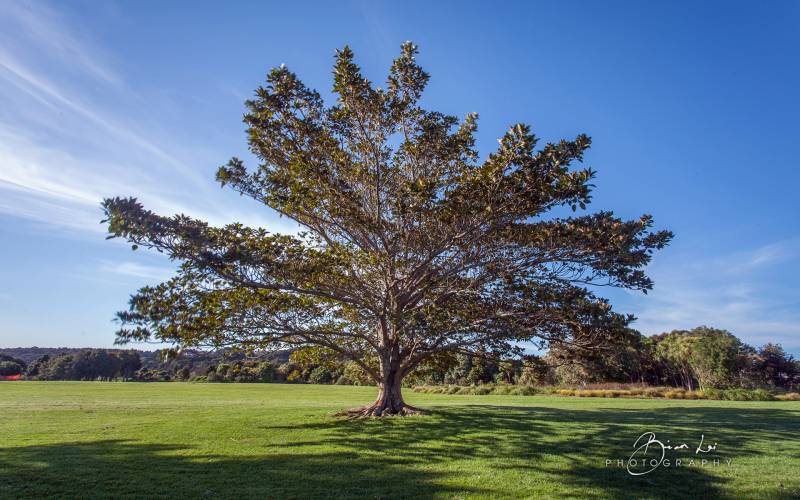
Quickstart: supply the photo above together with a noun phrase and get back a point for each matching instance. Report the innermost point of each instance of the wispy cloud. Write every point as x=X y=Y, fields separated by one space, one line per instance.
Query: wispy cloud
x=42 y=25
x=71 y=133
x=736 y=291
x=55 y=99
x=137 y=270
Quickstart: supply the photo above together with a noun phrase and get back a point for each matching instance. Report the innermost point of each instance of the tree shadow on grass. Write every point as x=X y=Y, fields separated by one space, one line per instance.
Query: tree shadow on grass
x=579 y=450
x=114 y=469
x=562 y=452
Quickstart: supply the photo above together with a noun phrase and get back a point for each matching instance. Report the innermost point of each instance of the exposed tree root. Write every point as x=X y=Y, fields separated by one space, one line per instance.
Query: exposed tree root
x=377 y=410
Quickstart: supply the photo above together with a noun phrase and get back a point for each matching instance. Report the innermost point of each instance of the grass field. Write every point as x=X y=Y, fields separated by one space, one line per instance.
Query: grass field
x=67 y=439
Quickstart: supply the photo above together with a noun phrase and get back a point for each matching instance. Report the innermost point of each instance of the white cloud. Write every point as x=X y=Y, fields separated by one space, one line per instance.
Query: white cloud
x=71 y=133
x=737 y=292
x=137 y=270
x=41 y=28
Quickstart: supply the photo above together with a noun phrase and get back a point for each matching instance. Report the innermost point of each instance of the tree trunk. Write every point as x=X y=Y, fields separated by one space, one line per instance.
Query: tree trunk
x=390 y=397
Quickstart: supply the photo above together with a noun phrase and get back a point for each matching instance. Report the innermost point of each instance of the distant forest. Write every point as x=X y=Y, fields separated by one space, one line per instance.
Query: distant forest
x=702 y=358
x=63 y=363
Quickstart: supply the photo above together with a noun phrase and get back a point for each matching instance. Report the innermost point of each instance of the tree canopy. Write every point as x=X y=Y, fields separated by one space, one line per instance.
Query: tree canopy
x=411 y=243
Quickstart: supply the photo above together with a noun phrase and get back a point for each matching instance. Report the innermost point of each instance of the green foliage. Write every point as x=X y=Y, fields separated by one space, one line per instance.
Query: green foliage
x=320 y=375
x=8 y=368
x=713 y=357
x=153 y=376
x=710 y=356
x=92 y=364
x=265 y=372
x=87 y=364
x=9 y=365
x=534 y=372
x=482 y=390
x=771 y=366
x=737 y=394
x=624 y=359
x=355 y=375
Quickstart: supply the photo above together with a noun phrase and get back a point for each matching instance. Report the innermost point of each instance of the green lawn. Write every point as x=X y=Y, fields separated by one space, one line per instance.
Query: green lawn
x=67 y=439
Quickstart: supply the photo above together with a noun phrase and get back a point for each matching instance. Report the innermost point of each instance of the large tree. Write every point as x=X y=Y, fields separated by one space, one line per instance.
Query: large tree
x=411 y=244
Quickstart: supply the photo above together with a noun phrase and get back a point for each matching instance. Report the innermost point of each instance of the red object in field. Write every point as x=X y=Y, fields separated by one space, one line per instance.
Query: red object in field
x=10 y=377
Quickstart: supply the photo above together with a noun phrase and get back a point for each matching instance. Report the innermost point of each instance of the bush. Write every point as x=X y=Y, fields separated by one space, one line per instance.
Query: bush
x=266 y=371
x=10 y=368
x=739 y=394
x=356 y=375
x=652 y=392
x=633 y=392
x=320 y=375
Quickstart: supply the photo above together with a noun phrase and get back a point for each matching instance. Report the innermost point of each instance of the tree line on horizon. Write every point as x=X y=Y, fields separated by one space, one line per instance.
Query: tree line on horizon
x=702 y=358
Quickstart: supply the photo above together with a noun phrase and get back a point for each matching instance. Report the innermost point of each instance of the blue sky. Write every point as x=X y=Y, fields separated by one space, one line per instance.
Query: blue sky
x=692 y=107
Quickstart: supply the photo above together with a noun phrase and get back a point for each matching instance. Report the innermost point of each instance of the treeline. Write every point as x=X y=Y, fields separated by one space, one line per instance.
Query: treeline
x=164 y=366
x=236 y=366
x=118 y=364
x=87 y=364
x=702 y=358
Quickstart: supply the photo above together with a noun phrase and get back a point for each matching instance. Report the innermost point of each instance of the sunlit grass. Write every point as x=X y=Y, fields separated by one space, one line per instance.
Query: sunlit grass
x=63 y=439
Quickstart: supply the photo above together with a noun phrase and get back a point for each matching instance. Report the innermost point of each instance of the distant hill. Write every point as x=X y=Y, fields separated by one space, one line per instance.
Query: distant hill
x=31 y=354
x=150 y=359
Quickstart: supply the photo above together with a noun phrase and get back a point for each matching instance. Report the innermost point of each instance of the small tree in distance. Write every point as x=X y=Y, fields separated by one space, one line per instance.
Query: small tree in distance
x=411 y=245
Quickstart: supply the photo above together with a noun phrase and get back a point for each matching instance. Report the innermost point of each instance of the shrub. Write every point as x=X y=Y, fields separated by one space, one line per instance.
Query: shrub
x=265 y=372
x=182 y=373
x=320 y=375
x=10 y=368
x=356 y=375
x=633 y=392
x=652 y=392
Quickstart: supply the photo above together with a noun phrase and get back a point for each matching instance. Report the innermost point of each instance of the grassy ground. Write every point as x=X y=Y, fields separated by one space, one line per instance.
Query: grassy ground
x=67 y=439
